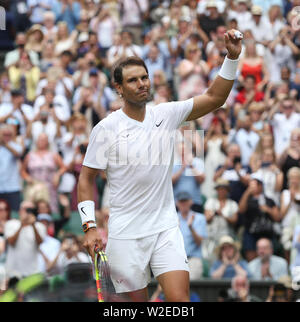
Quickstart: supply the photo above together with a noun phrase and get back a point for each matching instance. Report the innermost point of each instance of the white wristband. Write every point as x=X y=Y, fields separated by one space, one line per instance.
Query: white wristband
x=87 y=211
x=229 y=69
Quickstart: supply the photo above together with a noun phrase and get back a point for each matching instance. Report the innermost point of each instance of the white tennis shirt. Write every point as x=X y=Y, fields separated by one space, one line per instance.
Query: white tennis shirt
x=138 y=159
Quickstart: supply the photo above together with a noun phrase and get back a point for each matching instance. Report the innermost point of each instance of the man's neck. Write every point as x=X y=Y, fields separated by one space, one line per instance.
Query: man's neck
x=135 y=112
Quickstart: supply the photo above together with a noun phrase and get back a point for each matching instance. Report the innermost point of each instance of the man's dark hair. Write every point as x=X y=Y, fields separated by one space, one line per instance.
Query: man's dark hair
x=67 y=53
x=117 y=69
x=250 y=76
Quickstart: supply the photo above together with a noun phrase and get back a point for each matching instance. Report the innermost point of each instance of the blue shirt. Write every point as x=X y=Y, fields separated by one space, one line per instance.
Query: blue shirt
x=9 y=169
x=187 y=181
x=229 y=271
x=199 y=225
x=71 y=15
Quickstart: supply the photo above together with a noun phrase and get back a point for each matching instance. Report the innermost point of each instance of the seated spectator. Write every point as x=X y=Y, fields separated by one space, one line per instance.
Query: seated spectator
x=5 y=88
x=23 y=236
x=125 y=49
x=188 y=174
x=267 y=266
x=67 y=11
x=240 y=12
x=50 y=246
x=247 y=95
x=24 y=76
x=290 y=209
x=193 y=228
x=221 y=215
x=43 y=167
x=55 y=225
x=11 y=152
x=295 y=251
x=228 y=264
x=259 y=213
x=65 y=40
x=232 y=170
x=253 y=64
x=271 y=176
x=215 y=142
x=265 y=142
x=49 y=28
x=17 y=110
x=193 y=72
x=291 y=156
x=34 y=39
x=12 y=57
x=240 y=288
x=69 y=253
x=247 y=140
x=283 y=123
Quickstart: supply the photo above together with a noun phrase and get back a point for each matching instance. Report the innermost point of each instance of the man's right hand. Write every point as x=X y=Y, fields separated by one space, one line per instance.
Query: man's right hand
x=92 y=241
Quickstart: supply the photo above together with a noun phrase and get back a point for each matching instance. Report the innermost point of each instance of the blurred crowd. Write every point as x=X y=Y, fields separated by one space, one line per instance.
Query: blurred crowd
x=238 y=207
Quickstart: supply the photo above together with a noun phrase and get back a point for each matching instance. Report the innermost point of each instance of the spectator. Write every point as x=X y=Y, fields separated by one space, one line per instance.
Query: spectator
x=215 y=142
x=23 y=237
x=291 y=156
x=221 y=215
x=67 y=11
x=188 y=174
x=49 y=28
x=290 y=208
x=24 y=76
x=65 y=39
x=126 y=48
x=253 y=64
x=228 y=264
x=241 y=290
x=37 y=8
x=212 y=20
x=247 y=140
x=133 y=14
x=283 y=122
x=193 y=72
x=48 y=57
x=240 y=12
x=69 y=253
x=11 y=151
x=259 y=25
x=43 y=166
x=12 y=57
x=50 y=246
x=193 y=228
x=5 y=88
x=271 y=176
x=267 y=266
x=260 y=213
x=34 y=39
x=232 y=170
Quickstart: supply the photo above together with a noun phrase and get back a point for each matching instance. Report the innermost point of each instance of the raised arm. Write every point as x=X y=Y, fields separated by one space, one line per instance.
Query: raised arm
x=217 y=93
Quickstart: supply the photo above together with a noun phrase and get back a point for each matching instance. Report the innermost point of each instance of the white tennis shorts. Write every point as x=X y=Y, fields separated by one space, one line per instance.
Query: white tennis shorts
x=130 y=260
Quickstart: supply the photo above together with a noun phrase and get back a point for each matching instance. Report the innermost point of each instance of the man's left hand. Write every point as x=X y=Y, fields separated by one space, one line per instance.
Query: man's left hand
x=233 y=44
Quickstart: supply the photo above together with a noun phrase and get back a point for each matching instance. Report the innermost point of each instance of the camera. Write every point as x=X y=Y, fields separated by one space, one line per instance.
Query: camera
x=236 y=160
x=31 y=211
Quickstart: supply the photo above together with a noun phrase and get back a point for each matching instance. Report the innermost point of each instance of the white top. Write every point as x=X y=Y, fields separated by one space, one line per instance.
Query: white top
x=138 y=158
x=22 y=258
x=282 y=128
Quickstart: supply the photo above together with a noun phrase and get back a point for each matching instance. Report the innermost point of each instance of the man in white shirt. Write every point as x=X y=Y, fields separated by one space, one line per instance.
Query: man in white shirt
x=143 y=224
x=23 y=238
x=283 y=123
x=260 y=26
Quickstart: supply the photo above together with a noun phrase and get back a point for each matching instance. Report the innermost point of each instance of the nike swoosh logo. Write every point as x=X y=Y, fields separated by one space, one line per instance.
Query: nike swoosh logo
x=157 y=125
x=83 y=211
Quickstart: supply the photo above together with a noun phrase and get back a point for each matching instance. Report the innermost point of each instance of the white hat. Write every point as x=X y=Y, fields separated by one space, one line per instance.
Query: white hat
x=83 y=36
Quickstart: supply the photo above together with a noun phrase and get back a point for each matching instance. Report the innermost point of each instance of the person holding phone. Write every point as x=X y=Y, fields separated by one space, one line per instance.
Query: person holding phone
x=23 y=237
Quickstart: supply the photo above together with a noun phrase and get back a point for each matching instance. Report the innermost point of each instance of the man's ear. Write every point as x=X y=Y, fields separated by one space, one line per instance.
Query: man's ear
x=118 y=88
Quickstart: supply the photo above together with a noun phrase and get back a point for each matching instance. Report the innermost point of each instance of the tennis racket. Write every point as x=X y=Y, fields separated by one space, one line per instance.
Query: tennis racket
x=105 y=288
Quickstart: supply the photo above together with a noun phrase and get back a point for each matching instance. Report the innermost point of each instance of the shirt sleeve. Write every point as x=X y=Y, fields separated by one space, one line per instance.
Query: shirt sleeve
x=178 y=112
x=97 y=153
x=11 y=227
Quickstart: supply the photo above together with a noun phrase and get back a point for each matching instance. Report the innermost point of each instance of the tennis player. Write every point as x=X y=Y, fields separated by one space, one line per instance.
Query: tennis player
x=143 y=223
